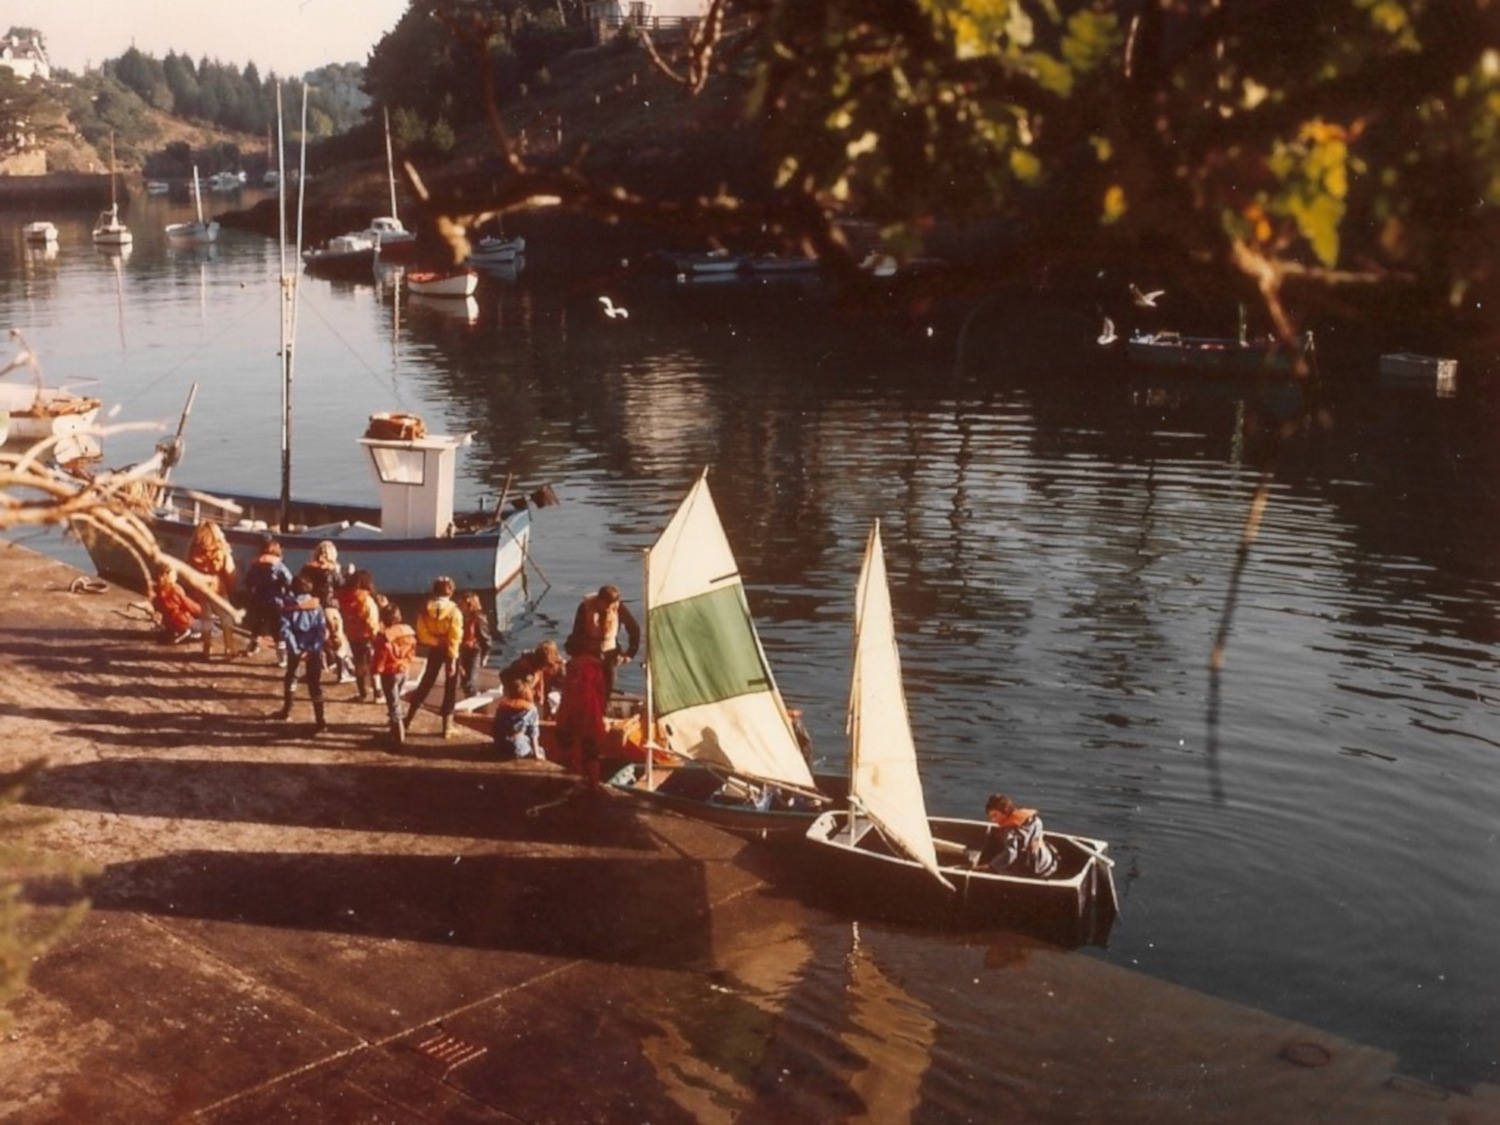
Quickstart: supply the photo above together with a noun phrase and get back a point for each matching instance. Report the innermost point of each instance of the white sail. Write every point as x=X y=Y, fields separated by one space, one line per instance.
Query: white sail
x=883 y=778
x=712 y=692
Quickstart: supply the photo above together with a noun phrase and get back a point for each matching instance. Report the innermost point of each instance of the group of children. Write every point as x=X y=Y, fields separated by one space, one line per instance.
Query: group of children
x=323 y=618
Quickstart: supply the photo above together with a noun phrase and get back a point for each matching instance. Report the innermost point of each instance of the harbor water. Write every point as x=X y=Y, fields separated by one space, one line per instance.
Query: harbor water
x=1306 y=827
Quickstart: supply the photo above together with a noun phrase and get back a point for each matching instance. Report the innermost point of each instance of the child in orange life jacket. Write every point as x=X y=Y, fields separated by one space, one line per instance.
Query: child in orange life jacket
x=176 y=609
x=360 y=609
x=1016 y=845
x=391 y=655
x=518 y=727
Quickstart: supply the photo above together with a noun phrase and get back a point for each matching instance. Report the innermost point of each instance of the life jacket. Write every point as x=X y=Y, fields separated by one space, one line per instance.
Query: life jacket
x=440 y=625
x=395 y=645
x=178 y=611
x=361 y=613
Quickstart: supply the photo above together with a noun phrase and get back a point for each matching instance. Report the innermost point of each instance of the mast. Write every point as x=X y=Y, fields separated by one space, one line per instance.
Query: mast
x=648 y=716
x=288 y=300
x=390 y=161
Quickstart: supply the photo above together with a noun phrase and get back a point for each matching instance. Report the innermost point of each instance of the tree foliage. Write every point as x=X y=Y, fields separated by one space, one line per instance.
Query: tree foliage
x=29 y=115
x=1289 y=143
x=222 y=95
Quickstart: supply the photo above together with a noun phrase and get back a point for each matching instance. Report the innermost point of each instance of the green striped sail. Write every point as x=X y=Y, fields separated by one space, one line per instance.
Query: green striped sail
x=711 y=686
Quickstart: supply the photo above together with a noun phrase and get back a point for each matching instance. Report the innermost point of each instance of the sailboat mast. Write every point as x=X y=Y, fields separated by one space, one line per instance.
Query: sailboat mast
x=390 y=161
x=648 y=713
x=288 y=296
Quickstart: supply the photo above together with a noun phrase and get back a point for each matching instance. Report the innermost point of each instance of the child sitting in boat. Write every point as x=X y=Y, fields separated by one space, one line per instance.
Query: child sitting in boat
x=1016 y=845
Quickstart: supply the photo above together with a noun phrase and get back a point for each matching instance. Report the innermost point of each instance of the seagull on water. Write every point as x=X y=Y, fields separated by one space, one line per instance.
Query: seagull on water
x=613 y=310
x=1145 y=300
x=1108 y=335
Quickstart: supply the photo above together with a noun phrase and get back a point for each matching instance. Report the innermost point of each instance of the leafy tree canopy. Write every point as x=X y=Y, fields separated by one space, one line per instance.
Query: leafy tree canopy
x=1293 y=143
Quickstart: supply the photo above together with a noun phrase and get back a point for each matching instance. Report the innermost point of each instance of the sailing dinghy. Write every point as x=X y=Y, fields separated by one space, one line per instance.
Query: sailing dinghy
x=728 y=749
x=886 y=856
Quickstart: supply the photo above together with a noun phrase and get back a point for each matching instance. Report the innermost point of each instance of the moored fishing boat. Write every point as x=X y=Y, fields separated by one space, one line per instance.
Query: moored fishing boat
x=884 y=855
x=414 y=534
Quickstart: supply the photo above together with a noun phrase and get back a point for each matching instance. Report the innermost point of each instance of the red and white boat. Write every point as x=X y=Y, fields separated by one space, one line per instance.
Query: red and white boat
x=443 y=283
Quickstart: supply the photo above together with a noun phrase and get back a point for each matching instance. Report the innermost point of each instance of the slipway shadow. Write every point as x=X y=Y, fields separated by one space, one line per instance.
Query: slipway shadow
x=158 y=730
x=592 y=907
x=494 y=803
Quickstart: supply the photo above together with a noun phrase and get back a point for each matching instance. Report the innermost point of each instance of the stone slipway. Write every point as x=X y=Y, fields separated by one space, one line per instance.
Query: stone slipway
x=289 y=929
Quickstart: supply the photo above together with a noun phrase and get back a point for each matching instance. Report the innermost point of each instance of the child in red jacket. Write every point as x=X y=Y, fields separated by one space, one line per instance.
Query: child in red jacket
x=390 y=659
x=176 y=610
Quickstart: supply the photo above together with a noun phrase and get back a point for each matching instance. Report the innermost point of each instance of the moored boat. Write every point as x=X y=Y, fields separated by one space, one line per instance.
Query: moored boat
x=414 y=535
x=729 y=751
x=496 y=250
x=884 y=856
x=196 y=231
x=36 y=411
x=443 y=283
x=1424 y=372
x=109 y=230
x=1172 y=351
x=350 y=256
x=40 y=231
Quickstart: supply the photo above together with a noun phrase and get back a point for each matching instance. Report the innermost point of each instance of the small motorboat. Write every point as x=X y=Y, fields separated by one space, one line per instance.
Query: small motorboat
x=41 y=232
x=460 y=282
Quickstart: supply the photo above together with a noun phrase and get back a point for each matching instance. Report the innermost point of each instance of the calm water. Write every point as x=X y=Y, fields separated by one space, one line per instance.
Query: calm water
x=1312 y=832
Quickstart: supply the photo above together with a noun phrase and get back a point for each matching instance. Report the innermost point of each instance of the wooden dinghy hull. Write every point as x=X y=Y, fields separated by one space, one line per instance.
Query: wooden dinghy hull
x=750 y=810
x=1077 y=906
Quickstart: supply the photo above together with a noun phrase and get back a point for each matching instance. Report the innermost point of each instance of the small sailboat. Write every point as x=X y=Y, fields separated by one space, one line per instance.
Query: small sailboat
x=108 y=229
x=730 y=752
x=198 y=231
x=885 y=856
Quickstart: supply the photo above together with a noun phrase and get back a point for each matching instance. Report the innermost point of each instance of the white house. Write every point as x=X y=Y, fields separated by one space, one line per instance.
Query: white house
x=25 y=57
x=655 y=16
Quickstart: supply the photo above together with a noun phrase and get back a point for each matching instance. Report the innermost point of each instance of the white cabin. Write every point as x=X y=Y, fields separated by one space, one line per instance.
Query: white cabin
x=414 y=476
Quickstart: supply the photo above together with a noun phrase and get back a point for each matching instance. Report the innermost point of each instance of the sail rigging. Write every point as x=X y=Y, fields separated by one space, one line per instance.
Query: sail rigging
x=710 y=686
x=883 y=780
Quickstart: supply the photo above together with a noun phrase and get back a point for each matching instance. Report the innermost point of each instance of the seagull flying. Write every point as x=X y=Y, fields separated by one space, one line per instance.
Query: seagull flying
x=1108 y=335
x=1145 y=300
x=613 y=310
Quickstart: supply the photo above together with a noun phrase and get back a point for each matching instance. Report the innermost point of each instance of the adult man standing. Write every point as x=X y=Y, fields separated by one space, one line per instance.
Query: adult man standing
x=596 y=632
